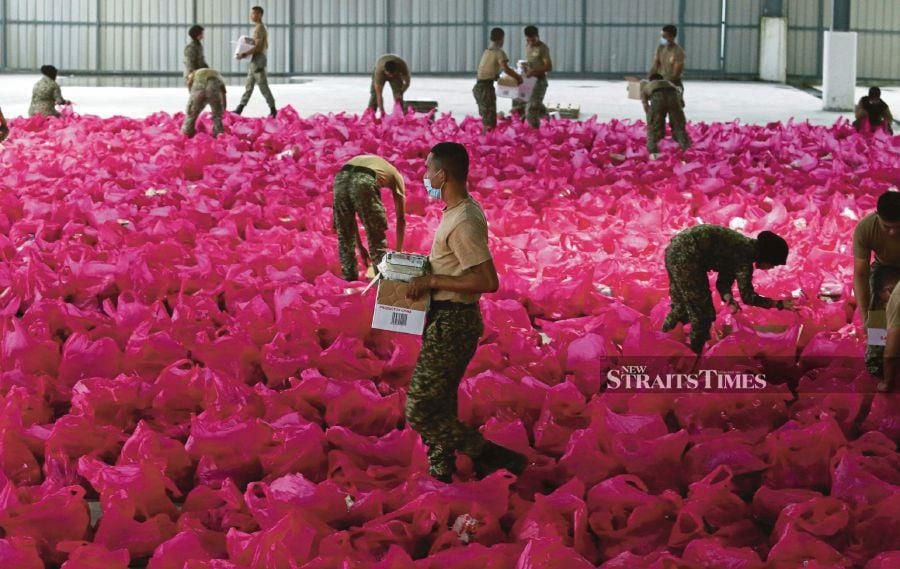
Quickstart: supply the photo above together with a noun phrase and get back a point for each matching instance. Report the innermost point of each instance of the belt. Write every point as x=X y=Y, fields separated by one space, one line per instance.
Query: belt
x=485 y=80
x=360 y=169
x=450 y=305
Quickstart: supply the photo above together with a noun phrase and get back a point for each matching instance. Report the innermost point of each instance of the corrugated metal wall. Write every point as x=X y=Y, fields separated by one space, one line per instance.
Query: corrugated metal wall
x=586 y=37
x=877 y=23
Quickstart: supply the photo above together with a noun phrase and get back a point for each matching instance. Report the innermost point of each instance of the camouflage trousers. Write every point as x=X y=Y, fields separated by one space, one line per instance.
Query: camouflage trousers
x=396 y=86
x=212 y=96
x=691 y=298
x=874 y=354
x=257 y=76
x=356 y=193
x=450 y=340
x=486 y=97
x=535 y=109
x=665 y=102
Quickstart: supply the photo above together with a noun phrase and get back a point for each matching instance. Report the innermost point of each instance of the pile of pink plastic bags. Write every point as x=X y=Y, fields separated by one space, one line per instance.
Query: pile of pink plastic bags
x=175 y=342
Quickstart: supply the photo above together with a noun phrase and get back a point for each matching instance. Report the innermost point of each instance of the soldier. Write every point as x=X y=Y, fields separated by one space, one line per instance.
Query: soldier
x=883 y=283
x=356 y=192
x=46 y=94
x=702 y=248
x=207 y=88
x=872 y=113
x=539 y=64
x=257 y=73
x=877 y=233
x=388 y=69
x=662 y=98
x=668 y=60
x=493 y=60
x=463 y=269
x=4 y=128
x=193 y=53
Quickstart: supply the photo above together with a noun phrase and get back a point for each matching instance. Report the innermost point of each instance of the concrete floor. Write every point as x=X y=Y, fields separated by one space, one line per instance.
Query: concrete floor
x=707 y=101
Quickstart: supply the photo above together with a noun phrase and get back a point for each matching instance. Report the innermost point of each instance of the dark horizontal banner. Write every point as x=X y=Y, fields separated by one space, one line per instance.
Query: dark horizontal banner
x=733 y=375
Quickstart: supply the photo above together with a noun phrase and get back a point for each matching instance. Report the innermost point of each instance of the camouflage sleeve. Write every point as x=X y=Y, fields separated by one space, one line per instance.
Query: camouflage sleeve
x=745 y=287
x=57 y=94
x=724 y=282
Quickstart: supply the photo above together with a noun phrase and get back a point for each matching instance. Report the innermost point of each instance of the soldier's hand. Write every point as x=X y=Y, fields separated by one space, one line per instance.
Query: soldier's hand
x=418 y=287
x=788 y=303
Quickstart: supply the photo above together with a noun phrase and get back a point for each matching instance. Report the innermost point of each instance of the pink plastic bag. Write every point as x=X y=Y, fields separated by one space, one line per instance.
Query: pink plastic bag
x=84 y=555
x=20 y=552
x=57 y=516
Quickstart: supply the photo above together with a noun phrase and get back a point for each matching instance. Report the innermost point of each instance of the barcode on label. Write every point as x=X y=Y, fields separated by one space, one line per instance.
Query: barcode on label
x=398 y=319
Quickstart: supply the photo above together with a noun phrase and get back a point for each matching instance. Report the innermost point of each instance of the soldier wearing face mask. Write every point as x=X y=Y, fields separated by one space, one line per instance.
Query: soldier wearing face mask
x=463 y=269
x=669 y=58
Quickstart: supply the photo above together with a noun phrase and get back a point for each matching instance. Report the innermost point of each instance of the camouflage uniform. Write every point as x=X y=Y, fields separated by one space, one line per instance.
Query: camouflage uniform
x=257 y=73
x=193 y=58
x=44 y=98
x=356 y=192
x=665 y=100
x=875 y=354
x=486 y=97
x=689 y=256
x=448 y=344
x=208 y=89
x=535 y=109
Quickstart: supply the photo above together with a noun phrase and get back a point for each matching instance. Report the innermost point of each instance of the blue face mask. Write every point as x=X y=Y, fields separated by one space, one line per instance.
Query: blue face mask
x=433 y=193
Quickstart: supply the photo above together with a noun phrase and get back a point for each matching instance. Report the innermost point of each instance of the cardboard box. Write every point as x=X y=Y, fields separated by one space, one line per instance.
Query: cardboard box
x=634 y=87
x=522 y=91
x=395 y=313
x=244 y=45
x=876 y=328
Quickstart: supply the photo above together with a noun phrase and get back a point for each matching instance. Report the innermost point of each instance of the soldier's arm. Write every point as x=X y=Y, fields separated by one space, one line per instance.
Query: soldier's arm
x=654 y=67
x=678 y=68
x=257 y=43
x=510 y=71
x=748 y=294
x=861 y=272
x=724 y=282
x=400 y=209
x=57 y=95
x=379 y=93
x=481 y=278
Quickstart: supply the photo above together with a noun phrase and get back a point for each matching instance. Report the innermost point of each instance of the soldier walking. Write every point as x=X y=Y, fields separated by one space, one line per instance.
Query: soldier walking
x=463 y=269
x=257 y=74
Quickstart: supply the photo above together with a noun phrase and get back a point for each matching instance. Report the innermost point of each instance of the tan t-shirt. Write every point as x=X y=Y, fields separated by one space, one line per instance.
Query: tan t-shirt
x=378 y=75
x=869 y=236
x=382 y=167
x=892 y=311
x=669 y=56
x=261 y=37
x=460 y=243
x=537 y=54
x=492 y=61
